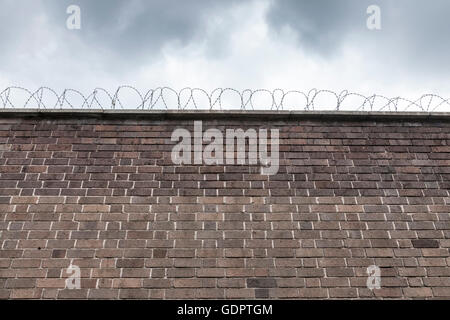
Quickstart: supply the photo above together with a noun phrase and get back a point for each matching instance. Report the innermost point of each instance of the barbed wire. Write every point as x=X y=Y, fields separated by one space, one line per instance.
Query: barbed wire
x=166 y=98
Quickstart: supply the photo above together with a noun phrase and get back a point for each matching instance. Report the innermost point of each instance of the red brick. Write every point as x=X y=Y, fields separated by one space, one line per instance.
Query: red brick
x=104 y=194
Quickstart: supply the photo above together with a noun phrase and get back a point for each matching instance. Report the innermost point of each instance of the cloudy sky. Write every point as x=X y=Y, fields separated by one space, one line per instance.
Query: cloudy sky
x=289 y=44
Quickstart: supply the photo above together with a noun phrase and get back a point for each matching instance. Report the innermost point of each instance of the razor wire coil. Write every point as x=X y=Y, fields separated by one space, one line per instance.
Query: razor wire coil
x=167 y=98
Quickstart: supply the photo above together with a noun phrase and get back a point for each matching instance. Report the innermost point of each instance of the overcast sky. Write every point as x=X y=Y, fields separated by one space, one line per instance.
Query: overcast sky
x=289 y=44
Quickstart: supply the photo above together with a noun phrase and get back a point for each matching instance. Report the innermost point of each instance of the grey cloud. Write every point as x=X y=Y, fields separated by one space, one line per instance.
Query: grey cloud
x=18 y=19
x=415 y=33
x=138 y=28
x=118 y=36
x=122 y=33
x=321 y=24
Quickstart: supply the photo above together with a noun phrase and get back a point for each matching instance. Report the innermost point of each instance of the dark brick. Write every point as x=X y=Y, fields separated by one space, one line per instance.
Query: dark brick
x=261 y=283
x=425 y=243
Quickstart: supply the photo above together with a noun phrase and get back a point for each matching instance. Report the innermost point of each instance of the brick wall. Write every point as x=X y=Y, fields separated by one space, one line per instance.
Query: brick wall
x=101 y=192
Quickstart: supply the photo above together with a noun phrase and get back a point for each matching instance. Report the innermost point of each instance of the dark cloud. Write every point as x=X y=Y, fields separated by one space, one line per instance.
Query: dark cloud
x=322 y=25
x=138 y=28
x=415 y=33
x=118 y=37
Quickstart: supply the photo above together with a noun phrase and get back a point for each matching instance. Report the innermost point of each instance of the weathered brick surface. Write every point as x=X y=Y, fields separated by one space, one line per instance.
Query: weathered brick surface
x=103 y=194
